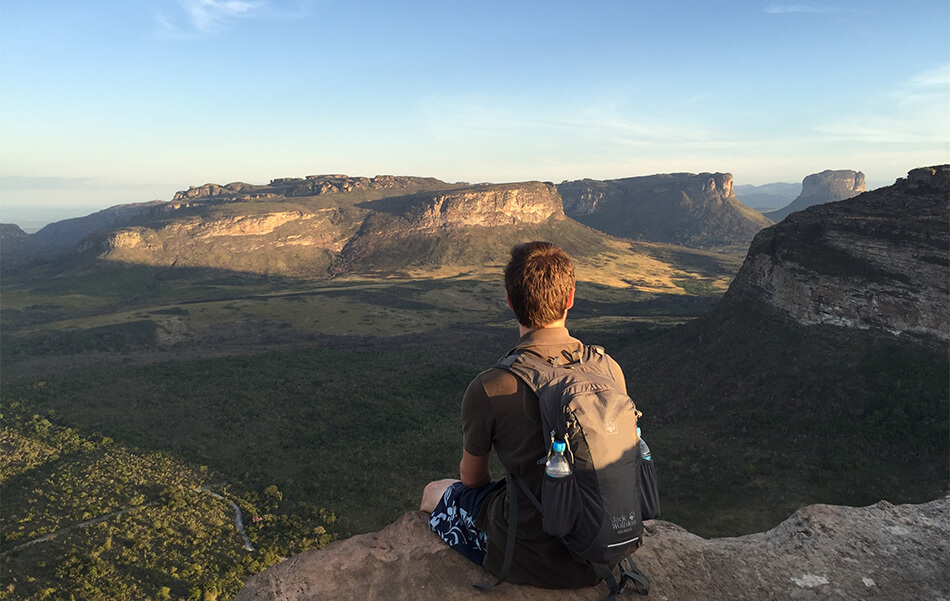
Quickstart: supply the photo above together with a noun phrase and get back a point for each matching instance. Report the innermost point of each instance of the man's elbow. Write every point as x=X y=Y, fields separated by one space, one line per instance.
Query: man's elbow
x=473 y=471
x=475 y=482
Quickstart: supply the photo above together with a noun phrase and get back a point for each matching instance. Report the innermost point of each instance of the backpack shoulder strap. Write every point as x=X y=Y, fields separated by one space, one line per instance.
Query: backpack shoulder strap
x=533 y=369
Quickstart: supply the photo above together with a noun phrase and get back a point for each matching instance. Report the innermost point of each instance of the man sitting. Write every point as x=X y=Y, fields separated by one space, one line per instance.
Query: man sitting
x=500 y=412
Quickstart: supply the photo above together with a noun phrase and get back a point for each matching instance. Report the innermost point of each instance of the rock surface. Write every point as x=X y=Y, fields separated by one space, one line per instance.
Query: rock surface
x=698 y=211
x=880 y=260
x=819 y=188
x=884 y=552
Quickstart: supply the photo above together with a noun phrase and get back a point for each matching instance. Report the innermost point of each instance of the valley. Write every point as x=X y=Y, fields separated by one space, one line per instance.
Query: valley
x=312 y=390
x=321 y=404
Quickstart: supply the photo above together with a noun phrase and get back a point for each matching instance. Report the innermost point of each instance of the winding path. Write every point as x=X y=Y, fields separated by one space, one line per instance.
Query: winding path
x=238 y=521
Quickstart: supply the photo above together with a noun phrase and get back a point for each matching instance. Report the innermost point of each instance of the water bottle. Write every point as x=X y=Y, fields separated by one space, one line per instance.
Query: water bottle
x=644 y=449
x=557 y=465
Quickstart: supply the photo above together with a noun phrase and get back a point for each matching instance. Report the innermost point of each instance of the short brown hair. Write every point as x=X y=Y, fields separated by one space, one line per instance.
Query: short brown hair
x=539 y=279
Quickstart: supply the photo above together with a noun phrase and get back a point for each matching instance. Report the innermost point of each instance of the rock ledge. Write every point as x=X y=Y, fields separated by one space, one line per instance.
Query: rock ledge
x=884 y=552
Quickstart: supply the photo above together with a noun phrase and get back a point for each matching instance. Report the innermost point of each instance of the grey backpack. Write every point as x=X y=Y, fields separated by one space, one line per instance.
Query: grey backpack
x=595 y=511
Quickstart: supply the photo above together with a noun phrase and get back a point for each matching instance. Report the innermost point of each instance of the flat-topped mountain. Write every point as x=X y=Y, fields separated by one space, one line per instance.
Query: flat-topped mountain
x=819 y=188
x=332 y=225
x=697 y=211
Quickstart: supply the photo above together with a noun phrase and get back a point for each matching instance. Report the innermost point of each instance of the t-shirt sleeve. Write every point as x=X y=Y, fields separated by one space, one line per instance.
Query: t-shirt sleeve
x=478 y=419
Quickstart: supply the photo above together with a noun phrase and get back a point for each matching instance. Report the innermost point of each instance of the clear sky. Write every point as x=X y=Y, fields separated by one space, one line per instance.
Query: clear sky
x=111 y=101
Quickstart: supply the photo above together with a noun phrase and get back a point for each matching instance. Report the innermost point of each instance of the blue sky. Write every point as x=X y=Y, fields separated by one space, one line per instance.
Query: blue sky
x=105 y=102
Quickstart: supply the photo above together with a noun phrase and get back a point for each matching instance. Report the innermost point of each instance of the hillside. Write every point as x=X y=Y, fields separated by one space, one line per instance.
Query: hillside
x=697 y=211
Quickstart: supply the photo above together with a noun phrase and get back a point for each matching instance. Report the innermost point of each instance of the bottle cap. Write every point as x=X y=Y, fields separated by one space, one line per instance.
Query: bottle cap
x=558 y=446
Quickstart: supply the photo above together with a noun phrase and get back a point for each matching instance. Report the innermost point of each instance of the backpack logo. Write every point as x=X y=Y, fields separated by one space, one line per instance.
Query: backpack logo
x=622 y=524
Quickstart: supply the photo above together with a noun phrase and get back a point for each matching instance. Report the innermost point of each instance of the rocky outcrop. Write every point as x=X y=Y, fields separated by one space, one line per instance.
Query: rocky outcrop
x=819 y=188
x=885 y=552
x=880 y=260
x=698 y=211
x=312 y=185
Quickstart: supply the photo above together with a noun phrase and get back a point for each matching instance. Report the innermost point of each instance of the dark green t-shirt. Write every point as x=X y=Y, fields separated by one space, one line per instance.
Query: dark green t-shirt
x=500 y=412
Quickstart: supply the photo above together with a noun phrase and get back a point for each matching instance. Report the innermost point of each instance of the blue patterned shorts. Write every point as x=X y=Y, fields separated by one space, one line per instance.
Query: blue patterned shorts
x=453 y=519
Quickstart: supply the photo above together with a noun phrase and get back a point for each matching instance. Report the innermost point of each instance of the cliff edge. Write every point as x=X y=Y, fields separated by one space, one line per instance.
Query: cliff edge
x=884 y=552
x=877 y=261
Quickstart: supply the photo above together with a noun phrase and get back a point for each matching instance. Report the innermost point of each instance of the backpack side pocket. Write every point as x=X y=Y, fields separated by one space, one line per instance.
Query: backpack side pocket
x=649 y=492
x=561 y=502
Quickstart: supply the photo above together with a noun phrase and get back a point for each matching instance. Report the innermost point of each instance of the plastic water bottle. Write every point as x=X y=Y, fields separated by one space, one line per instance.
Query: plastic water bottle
x=644 y=449
x=557 y=465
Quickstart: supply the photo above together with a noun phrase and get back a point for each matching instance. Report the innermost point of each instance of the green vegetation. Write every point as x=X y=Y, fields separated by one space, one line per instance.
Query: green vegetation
x=751 y=418
x=88 y=517
x=322 y=408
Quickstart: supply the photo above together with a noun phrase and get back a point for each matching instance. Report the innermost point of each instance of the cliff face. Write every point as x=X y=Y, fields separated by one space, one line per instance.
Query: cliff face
x=819 y=188
x=469 y=226
x=880 y=260
x=698 y=211
x=496 y=205
x=882 y=552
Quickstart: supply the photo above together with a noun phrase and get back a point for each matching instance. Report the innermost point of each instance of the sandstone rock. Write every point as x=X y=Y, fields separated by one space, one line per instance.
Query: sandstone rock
x=884 y=552
x=819 y=188
x=698 y=211
x=880 y=260
x=491 y=206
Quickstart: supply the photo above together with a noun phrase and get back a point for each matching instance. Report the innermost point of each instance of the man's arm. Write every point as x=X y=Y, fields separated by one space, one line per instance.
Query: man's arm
x=474 y=470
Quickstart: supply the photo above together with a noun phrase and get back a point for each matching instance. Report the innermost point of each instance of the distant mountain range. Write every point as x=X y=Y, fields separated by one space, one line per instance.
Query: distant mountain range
x=767 y=197
x=322 y=226
x=327 y=225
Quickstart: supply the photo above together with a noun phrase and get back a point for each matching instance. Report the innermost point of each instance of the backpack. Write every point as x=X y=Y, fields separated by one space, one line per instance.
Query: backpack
x=596 y=512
